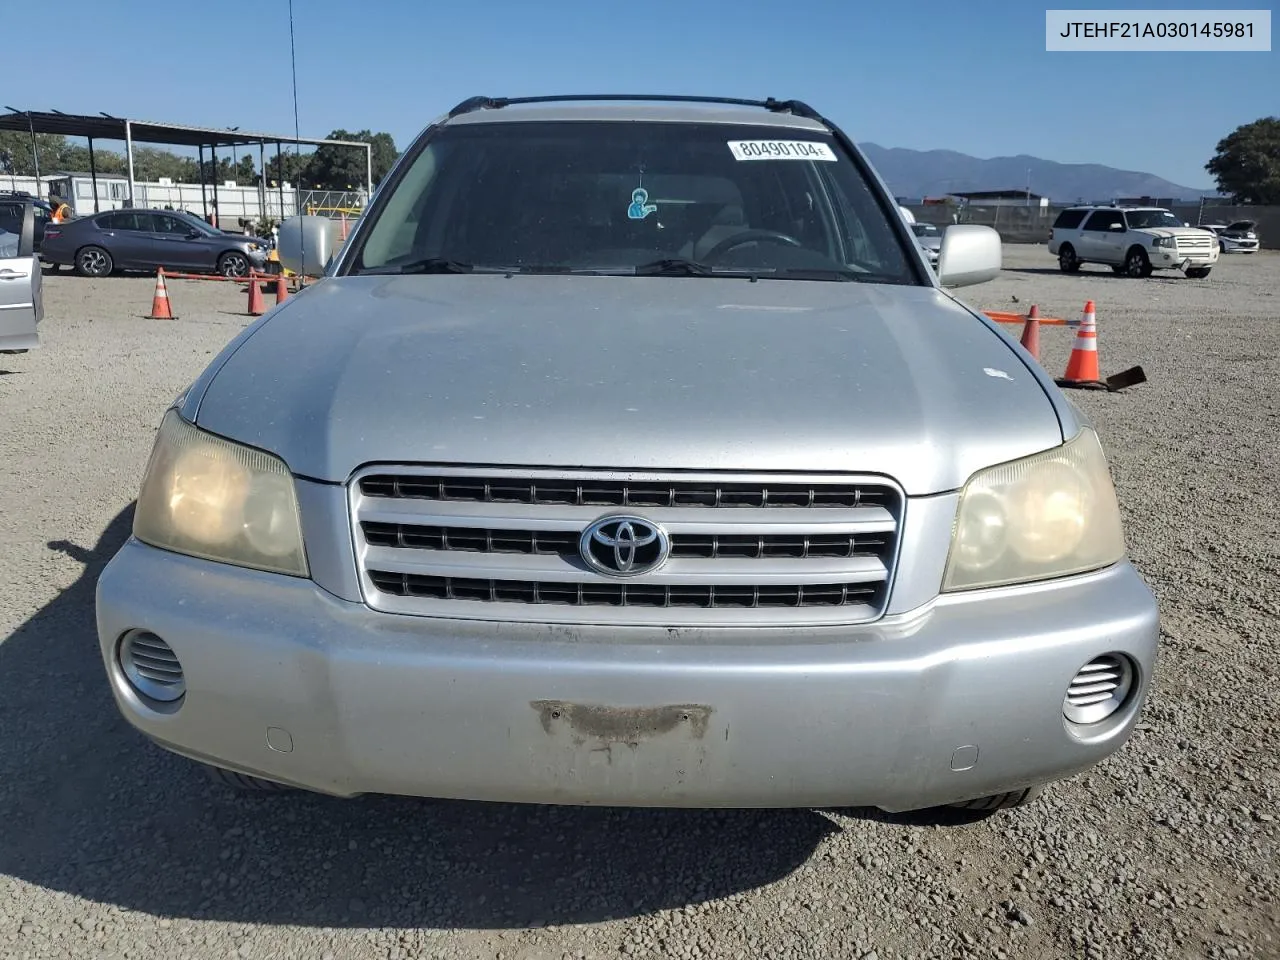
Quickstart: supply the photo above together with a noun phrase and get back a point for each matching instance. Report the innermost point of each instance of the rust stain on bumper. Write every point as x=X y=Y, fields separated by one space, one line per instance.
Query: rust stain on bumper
x=621 y=724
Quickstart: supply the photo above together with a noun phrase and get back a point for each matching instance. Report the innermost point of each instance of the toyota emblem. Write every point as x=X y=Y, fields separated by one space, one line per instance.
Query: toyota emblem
x=624 y=546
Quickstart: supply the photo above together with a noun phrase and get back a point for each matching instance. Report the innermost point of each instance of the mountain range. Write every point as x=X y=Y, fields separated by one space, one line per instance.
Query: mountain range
x=932 y=173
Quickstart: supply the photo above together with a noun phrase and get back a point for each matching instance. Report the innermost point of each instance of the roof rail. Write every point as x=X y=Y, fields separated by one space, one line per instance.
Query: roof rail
x=797 y=107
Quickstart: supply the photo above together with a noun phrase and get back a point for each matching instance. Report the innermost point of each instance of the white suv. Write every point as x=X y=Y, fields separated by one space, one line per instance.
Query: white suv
x=1133 y=241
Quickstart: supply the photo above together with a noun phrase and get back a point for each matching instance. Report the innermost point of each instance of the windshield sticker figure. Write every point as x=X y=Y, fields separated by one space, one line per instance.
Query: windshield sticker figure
x=640 y=205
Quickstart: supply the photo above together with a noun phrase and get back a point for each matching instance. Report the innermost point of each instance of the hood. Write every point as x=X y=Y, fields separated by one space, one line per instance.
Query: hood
x=1173 y=231
x=231 y=234
x=655 y=373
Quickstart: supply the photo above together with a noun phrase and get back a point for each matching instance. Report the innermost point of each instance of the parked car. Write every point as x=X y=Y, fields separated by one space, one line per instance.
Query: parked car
x=631 y=454
x=21 y=284
x=11 y=212
x=930 y=239
x=148 y=239
x=1133 y=241
x=1240 y=236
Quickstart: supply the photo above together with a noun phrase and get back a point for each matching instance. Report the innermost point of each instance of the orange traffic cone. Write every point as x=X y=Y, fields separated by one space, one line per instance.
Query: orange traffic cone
x=282 y=291
x=160 y=301
x=1087 y=317
x=1082 y=367
x=344 y=227
x=1031 y=332
x=256 y=306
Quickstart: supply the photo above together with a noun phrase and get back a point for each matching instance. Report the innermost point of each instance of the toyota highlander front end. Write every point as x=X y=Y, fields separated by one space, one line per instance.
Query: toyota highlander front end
x=632 y=455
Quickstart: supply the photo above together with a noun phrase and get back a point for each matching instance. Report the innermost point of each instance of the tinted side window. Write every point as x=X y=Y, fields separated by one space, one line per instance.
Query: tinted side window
x=11 y=217
x=171 y=225
x=1103 y=219
x=124 y=221
x=1069 y=219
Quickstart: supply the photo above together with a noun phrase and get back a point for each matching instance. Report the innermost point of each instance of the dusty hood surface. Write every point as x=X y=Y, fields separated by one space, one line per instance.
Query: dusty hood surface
x=1174 y=231
x=630 y=372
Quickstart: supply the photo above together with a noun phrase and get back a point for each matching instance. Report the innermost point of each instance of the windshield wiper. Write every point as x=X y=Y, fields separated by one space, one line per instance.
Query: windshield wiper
x=674 y=267
x=553 y=268
x=426 y=265
x=825 y=273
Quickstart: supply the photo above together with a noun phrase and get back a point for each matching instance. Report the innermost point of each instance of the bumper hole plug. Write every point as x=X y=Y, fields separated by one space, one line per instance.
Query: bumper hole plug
x=279 y=740
x=964 y=758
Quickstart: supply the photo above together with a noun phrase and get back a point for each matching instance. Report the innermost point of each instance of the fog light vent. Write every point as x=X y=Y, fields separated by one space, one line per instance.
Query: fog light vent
x=152 y=667
x=1099 y=689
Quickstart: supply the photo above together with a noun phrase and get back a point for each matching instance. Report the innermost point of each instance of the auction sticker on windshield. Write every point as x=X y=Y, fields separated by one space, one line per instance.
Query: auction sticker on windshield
x=780 y=150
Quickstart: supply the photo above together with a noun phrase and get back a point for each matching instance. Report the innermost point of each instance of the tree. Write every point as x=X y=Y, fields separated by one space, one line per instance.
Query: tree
x=343 y=168
x=75 y=159
x=150 y=163
x=288 y=167
x=17 y=143
x=1247 y=162
x=242 y=172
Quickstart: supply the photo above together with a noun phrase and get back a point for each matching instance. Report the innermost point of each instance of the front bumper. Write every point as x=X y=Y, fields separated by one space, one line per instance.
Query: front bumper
x=1169 y=258
x=961 y=700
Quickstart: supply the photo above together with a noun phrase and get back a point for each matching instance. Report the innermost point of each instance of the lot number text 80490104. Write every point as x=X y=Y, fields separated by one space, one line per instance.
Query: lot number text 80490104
x=780 y=150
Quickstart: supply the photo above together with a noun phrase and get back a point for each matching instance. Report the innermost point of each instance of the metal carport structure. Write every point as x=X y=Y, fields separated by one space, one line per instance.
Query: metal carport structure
x=107 y=127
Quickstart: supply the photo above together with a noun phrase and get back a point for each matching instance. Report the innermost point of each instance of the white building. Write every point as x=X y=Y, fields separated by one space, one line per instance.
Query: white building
x=234 y=202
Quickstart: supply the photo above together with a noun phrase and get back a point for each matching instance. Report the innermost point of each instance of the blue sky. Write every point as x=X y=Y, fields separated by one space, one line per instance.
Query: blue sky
x=972 y=77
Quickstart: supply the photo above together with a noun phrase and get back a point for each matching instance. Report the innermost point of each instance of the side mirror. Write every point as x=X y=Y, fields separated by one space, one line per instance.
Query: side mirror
x=1118 y=227
x=305 y=244
x=194 y=234
x=970 y=254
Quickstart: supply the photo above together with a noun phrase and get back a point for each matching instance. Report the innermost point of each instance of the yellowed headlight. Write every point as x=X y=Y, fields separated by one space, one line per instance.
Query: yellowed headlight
x=1048 y=510
x=211 y=498
x=207 y=490
x=1049 y=515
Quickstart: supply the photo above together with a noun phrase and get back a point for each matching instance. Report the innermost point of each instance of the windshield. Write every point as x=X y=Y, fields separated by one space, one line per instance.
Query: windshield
x=612 y=197
x=1146 y=219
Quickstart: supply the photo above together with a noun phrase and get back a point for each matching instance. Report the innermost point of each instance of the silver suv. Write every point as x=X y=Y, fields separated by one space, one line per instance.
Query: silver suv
x=1133 y=241
x=631 y=453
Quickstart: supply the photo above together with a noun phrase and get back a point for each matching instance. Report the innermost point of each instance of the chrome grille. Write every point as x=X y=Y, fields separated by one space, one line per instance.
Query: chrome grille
x=565 y=542
x=1195 y=243
x=618 y=493
x=622 y=594
x=498 y=544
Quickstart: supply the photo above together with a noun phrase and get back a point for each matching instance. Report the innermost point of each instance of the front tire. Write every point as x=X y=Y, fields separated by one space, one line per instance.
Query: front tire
x=1068 y=262
x=1136 y=264
x=233 y=265
x=94 y=262
x=242 y=782
x=1001 y=801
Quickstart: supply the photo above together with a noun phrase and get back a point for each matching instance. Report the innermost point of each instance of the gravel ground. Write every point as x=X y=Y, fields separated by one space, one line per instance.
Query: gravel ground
x=113 y=848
